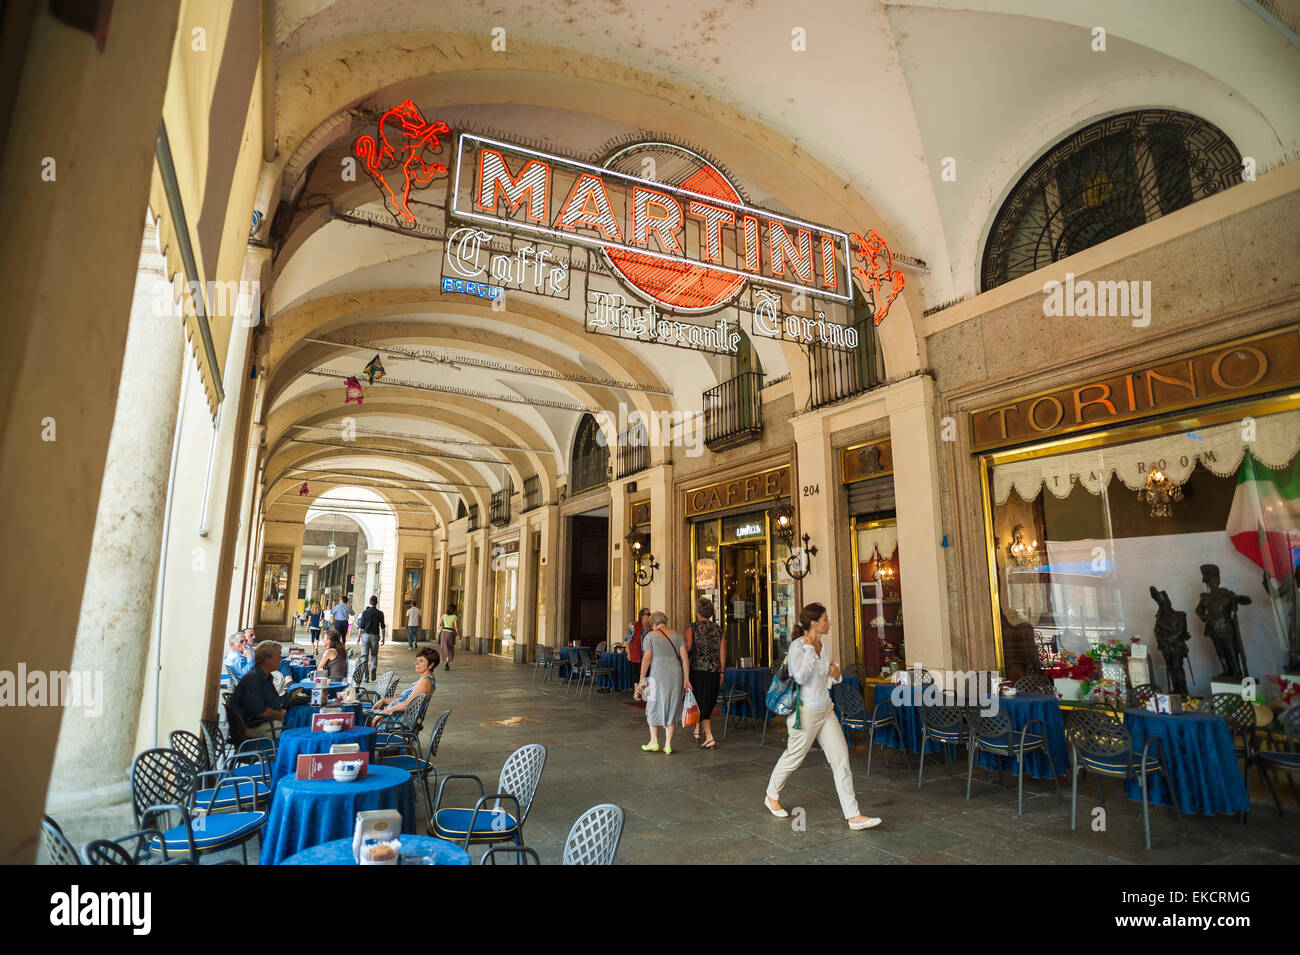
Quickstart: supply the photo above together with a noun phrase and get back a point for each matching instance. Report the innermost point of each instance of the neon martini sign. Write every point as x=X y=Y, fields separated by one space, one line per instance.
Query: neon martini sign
x=689 y=244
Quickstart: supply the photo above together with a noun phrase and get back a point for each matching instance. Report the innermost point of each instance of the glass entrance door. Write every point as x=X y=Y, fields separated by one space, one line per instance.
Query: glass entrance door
x=744 y=601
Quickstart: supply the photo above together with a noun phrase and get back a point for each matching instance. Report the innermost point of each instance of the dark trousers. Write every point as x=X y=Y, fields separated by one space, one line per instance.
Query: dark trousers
x=705 y=686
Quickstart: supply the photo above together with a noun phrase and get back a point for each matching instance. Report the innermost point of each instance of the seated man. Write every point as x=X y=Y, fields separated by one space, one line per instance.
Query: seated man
x=255 y=697
x=239 y=658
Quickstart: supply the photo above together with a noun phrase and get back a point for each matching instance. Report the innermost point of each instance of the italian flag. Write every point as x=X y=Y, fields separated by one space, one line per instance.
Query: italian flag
x=1264 y=523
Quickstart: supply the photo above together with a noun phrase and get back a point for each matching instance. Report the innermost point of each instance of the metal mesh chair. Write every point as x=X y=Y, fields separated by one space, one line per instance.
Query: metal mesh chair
x=595 y=835
x=191 y=747
x=1285 y=761
x=731 y=697
x=520 y=777
x=854 y=719
x=112 y=852
x=249 y=760
x=590 y=670
x=164 y=784
x=541 y=660
x=1101 y=744
x=602 y=646
x=1143 y=692
x=406 y=755
x=995 y=735
x=856 y=670
x=404 y=725
x=385 y=687
x=945 y=725
x=570 y=657
x=238 y=728
x=356 y=674
x=1239 y=714
x=61 y=850
x=1035 y=683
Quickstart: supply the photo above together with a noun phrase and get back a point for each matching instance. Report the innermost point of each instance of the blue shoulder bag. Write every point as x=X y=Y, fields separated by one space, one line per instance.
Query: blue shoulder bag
x=783 y=695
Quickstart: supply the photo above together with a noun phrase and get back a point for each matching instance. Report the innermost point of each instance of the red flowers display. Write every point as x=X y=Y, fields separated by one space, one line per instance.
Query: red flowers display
x=1084 y=669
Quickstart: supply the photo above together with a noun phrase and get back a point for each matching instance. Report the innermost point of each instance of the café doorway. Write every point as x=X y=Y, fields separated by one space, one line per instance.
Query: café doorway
x=744 y=601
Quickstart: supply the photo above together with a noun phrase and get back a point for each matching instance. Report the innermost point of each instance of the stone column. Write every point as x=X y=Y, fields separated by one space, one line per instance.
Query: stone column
x=373 y=557
x=96 y=744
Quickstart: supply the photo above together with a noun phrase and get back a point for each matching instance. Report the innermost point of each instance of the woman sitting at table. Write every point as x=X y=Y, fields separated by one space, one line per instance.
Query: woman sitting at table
x=335 y=658
x=426 y=661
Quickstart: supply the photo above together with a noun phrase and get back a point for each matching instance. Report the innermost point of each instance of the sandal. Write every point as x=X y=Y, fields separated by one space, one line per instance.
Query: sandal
x=709 y=744
x=650 y=748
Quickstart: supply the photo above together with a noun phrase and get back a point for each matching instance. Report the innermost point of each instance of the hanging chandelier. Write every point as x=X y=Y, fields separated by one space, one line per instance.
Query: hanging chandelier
x=884 y=570
x=1161 y=493
x=331 y=548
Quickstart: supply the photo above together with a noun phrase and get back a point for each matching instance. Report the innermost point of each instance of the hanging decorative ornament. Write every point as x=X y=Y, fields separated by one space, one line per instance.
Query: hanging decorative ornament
x=354 y=392
x=302 y=491
x=374 y=369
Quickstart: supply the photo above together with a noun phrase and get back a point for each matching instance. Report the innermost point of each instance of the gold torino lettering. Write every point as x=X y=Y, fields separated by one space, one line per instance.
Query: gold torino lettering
x=1033 y=413
x=1261 y=367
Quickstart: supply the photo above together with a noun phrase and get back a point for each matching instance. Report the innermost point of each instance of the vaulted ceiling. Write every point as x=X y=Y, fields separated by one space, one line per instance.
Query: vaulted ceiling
x=856 y=130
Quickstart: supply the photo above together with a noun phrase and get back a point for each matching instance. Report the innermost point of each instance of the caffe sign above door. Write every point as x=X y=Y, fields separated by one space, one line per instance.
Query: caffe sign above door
x=683 y=238
x=752 y=489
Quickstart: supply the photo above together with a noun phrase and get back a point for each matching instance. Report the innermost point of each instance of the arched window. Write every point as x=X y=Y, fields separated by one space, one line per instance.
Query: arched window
x=589 y=465
x=1107 y=178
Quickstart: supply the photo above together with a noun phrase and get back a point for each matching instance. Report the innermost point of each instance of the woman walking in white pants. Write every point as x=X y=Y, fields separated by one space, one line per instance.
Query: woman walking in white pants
x=814 y=719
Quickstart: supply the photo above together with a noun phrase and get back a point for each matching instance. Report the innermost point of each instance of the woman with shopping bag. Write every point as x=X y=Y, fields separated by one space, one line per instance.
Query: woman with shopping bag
x=663 y=660
x=708 y=652
x=810 y=665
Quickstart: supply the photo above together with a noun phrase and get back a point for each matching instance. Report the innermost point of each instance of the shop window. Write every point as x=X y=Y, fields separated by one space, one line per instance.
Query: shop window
x=1104 y=180
x=880 y=596
x=1076 y=550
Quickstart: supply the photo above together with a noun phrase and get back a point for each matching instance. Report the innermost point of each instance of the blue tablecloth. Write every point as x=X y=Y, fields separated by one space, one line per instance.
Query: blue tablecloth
x=1199 y=757
x=339 y=852
x=754 y=681
x=302 y=741
x=301 y=715
x=1022 y=708
x=908 y=715
x=308 y=813
x=624 y=675
x=299 y=673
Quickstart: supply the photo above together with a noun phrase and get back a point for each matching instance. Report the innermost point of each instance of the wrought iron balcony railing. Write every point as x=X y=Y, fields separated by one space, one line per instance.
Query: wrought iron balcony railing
x=633 y=453
x=733 y=411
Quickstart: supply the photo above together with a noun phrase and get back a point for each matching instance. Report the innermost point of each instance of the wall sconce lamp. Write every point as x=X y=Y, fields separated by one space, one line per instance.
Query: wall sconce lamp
x=799 y=563
x=1161 y=493
x=644 y=564
x=1026 y=555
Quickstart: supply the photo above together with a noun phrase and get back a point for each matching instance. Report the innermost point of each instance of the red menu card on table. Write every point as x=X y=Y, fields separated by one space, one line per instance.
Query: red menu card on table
x=319 y=720
x=321 y=765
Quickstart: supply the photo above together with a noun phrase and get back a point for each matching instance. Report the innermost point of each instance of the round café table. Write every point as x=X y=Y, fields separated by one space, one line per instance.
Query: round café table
x=623 y=674
x=301 y=715
x=302 y=741
x=306 y=813
x=1200 y=761
x=1022 y=708
x=754 y=681
x=339 y=852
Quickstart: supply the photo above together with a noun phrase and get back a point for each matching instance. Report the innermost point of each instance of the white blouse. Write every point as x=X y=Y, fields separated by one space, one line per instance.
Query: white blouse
x=812 y=673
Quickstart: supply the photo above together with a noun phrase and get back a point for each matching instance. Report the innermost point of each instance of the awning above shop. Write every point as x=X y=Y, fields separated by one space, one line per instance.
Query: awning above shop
x=1273 y=439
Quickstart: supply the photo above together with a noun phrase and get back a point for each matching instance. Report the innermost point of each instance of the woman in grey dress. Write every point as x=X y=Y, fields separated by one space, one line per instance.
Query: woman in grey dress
x=663 y=656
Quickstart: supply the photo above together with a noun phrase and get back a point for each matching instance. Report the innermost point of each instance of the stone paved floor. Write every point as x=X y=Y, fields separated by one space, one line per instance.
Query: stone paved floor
x=700 y=806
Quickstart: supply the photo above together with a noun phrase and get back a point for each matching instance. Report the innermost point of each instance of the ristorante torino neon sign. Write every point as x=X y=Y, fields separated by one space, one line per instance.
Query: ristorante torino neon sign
x=684 y=239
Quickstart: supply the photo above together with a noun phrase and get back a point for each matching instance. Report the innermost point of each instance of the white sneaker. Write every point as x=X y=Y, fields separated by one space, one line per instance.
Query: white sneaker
x=869 y=823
